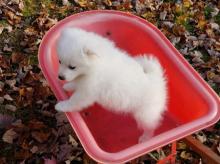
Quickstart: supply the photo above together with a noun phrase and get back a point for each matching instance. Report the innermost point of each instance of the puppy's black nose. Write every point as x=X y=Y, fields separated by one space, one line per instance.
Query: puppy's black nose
x=61 y=77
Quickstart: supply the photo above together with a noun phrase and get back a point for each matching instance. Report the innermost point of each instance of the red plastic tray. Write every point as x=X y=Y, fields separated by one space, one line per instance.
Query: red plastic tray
x=113 y=138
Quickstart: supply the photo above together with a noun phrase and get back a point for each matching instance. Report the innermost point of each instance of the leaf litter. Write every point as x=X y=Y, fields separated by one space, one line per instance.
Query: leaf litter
x=28 y=120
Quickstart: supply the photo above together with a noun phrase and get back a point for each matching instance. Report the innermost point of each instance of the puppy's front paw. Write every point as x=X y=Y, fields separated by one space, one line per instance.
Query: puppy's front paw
x=145 y=136
x=69 y=86
x=63 y=106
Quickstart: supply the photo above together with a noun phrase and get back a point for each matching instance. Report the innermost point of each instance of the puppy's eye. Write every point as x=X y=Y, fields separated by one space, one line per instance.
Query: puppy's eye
x=71 y=67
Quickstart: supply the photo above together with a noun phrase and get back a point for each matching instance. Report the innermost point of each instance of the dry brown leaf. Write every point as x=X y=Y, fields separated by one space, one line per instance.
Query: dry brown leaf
x=40 y=136
x=9 y=136
x=18 y=124
x=65 y=152
x=21 y=5
x=50 y=161
x=82 y=3
x=201 y=137
x=17 y=57
x=10 y=107
x=61 y=118
x=181 y=146
x=12 y=17
x=65 y=2
x=218 y=148
x=11 y=83
x=210 y=32
x=73 y=141
x=108 y=2
x=5 y=120
x=210 y=75
x=8 y=97
x=30 y=31
x=35 y=124
x=216 y=79
x=3 y=62
x=201 y=24
x=1 y=85
x=6 y=48
x=22 y=154
x=217 y=46
x=1 y=100
x=50 y=23
x=34 y=149
x=185 y=155
x=187 y=3
x=1 y=28
x=163 y=15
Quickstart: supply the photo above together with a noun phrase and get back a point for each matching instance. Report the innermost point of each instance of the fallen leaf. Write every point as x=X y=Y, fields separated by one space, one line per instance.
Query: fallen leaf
x=40 y=136
x=64 y=153
x=18 y=124
x=36 y=125
x=187 y=3
x=210 y=75
x=201 y=137
x=11 y=83
x=181 y=146
x=163 y=15
x=214 y=26
x=108 y=2
x=22 y=154
x=50 y=23
x=185 y=155
x=1 y=28
x=30 y=31
x=216 y=79
x=82 y=3
x=5 y=120
x=161 y=154
x=8 y=97
x=12 y=17
x=16 y=57
x=50 y=161
x=61 y=118
x=215 y=11
x=4 y=62
x=1 y=85
x=210 y=32
x=218 y=148
x=10 y=107
x=21 y=5
x=34 y=149
x=201 y=24
x=7 y=49
x=66 y=2
x=1 y=100
x=73 y=141
x=9 y=136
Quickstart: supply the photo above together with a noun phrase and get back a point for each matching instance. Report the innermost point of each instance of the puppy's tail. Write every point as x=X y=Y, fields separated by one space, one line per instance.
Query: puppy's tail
x=150 y=64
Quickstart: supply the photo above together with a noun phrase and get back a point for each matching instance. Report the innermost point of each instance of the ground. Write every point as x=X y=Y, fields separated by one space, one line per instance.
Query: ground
x=31 y=130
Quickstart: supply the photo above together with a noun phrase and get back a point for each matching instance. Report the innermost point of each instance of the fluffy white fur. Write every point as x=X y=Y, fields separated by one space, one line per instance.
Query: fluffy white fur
x=109 y=76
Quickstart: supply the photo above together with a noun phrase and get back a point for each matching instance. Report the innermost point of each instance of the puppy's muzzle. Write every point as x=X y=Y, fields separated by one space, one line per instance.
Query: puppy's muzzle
x=61 y=77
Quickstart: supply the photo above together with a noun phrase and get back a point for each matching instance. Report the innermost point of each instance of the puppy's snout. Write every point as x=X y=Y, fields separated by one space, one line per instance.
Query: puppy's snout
x=61 y=77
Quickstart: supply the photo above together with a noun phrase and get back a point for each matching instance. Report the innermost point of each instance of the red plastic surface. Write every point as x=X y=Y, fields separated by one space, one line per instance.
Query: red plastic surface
x=112 y=138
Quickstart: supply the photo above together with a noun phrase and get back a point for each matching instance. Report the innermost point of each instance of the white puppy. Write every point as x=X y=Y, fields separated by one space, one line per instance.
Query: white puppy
x=100 y=72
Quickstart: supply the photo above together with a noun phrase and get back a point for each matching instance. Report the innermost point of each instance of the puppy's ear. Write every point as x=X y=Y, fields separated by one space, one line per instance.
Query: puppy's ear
x=89 y=53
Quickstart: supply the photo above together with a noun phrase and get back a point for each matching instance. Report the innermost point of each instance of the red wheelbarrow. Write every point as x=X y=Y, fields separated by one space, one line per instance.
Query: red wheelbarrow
x=113 y=138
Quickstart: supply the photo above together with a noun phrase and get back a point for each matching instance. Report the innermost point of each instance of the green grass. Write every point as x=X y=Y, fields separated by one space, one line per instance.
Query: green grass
x=3 y=22
x=217 y=18
x=207 y=11
x=189 y=26
x=32 y=7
